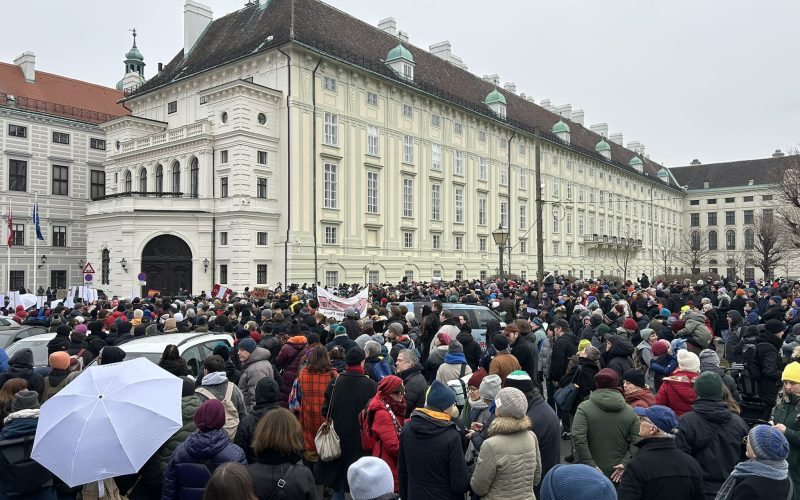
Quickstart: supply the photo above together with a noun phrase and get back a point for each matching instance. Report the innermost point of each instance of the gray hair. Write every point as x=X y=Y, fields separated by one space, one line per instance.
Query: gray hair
x=409 y=355
x=372 y=348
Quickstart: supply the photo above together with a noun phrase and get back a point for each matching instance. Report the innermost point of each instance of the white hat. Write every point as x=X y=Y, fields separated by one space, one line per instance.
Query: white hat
x=369 y=478
x=178 y=317
x=688 y=361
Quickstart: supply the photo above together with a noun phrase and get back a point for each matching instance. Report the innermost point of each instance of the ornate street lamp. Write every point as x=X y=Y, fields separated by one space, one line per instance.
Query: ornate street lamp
x=500 y=236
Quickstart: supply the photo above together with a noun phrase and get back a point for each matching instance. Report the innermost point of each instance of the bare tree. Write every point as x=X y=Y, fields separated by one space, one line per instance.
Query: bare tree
x=769 y=246
x=788 y=205
x=665 y=252
x=737 y=261
x=629 y=246
x=691 y=251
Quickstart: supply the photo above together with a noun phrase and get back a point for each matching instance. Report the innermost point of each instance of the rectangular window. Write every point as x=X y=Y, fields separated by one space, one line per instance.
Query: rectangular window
x=523 y=247
x=436 y=121
x=523 y=181
x=748 y=217
x=328 y=83
x=522 y=150
x=569 y=249
x=557 y=222
x=458 y=128
x=58 y=279
x=17 y=131
x=99 y=144
x=766 y=197
x=16 y=280
x=557 y=189
x=459 y=275
x=712 y=218
x=372 y=98
x=408 y=149
x=330 y=186
x=766 y=215
x=581 y=227
x=373 y=142
x=504 y=213
x=59 y=236
x=223 y=156
x=330 y=235
x=373 y=277
x=17 y=175
x=503 y=176
x=481 y=136
x=97 y=188
x=458 y=243
x=223 y=238
x=262 y=158
x=408 y=198
x=482 y=169
x=372 y=192
x=568 y=186
x=568 y=223
x=481 y=211
x=436 y=241
x=331 y=129
x=60 y=138
x=436 y=202
x=261 y=187
x=261 y=273
x=694 y=220
x=730 y=200
x=459 y=201
x=711 y=201
x=18 y=237
x=459 y=167
x=503 y=143
x=436 y=157
x=482 y=244
x=60 y=180
x=261 y=238
x=331 y=279
x=223 y=273
x=408 y=110
x=694 y=202
x=730 y=218
x=223 y=187
x=483 y=275
x=172 y=107
x=408 y=239
x=523 y=217
x=555 y=248
x=747 y=199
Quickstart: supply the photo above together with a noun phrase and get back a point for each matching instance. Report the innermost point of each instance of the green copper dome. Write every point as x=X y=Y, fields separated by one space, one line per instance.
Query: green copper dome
x=134 y=54
x=635 y=161
x=663 y=173
x=602 y=146
x=560 y=127
x=399 y=52
x=495 y=97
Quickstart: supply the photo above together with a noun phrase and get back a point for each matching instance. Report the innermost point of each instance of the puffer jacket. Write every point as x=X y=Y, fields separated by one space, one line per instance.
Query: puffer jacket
x=544 y=357
x=289 y=362
x=677 y=391
x=696 y=328
x=189 y=405
x=524 y=349
x=472 y=351
x=188 y=473
x=509 y=463
x=619 y=357
x=387 y=436
x=254 y=369
x=713 y=435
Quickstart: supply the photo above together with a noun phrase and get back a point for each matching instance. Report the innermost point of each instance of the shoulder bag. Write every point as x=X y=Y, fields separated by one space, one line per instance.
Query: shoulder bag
x=565 y=396
x=327 y=441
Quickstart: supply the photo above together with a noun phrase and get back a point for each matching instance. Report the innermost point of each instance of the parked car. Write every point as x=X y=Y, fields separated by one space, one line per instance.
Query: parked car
x=10 y=334
x=478 y=316
x=37 y=344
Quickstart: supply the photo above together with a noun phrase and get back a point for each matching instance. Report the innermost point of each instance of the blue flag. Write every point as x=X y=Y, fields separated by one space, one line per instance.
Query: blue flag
x=36 y=223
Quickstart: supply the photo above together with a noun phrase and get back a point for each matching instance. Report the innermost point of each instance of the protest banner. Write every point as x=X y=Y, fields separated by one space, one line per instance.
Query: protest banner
x=332 y=306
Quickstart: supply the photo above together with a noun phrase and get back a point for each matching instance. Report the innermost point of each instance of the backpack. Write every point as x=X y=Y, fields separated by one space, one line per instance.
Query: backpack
x=381 y=370
x=750 y=361
x=365 y=420
x=79 y=358
x=638 y=361
x=459 y=387
x=231 y=414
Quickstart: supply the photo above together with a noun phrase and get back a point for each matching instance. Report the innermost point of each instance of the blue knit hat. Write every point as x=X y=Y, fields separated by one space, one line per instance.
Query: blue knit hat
x=567 y=482
x=768 y=443
x=665 y=312
x=440 y=397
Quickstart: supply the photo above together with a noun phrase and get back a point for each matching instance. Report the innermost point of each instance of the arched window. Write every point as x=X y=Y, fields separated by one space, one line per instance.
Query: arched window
x=176 y=177
x=143 y=180
x=730 y=239
x=695 y=240
x=194 y=184
x=712 y=240
x=159 y=178
x=105 y=262
x=128 y=181
x=749 y=239
x=713 y=262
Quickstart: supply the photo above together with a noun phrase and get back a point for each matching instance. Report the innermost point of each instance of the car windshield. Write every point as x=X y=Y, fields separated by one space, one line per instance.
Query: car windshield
x=6 y=338
x=38 y=347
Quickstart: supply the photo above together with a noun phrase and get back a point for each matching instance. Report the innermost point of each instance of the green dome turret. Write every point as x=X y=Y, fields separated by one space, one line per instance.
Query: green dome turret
x=134 y=54
x=560 y=127
x=399 y=52
x=495 y=97
x=602 y=146
x=635 y=161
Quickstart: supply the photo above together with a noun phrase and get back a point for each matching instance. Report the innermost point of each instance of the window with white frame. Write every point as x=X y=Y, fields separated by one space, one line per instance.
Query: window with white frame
x=602 y=197
x=372 y=192
x=556 y=221
x=523 y=247
x=603 y=226
x=523 y=216
x=580 y=224
x=556 y=246
x=523 y=275
x=436 y=202
x=223 y=156
x=459 y=202
x=261 y=157
x=523 y=180
x=481 y=210
x=331 y=129
x=482 y=275
x=591 y=224
x=568 y=223
x=483 y=167
x=408 y=71
x=581 y=195
x=556 y=187
x=408 y=239
x=329 y=83
x=330 y=235
x=503 y=143
x=330 y=186
x=408 y=149
x=372 y=98
x=261 y=238
x=569 y=249
x=373 y=277
x=373 y=141
x=459 y=275
x=458 y=243
x=581 y=251
x=331 y=279
x=591 y=197
x=569 y=190
x=409 y=276
x=482 y=244
x=408 y=197
x=503 y=176
x=436 y=241
x=436 y=120
x=408 y=110
x=522 y=150
x=459 y=164
x=261 y=187
x=481 y=136
x=436 y=157
x=458 y=128
x=504 y=213
x=555 y=160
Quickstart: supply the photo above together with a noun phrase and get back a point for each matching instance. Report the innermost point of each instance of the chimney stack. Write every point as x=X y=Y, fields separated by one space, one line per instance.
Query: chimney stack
x=695 y=162
x=388 y=25
x=565 y=110
x=577 y=116
x=402 y=35
x=616 y=137
x=636 y=146
x=511 y=87
x=494 y=79
x=546 y=105
x=196 y=18
x=442 y=50
x=27 y=63
x=778 y=153
x=600 y=128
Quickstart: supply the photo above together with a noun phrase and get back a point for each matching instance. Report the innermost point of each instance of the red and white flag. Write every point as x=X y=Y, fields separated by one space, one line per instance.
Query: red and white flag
x=10 y=228
x=221 y=292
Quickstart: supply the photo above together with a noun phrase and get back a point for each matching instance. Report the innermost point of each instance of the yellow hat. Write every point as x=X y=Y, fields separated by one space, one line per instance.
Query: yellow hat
x=792 y=372
x=583 y=344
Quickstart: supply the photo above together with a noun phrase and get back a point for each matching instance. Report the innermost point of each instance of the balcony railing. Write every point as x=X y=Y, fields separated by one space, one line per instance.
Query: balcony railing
x=160 y=138
x=147 y=194
x=80 y=114
x=604 y=239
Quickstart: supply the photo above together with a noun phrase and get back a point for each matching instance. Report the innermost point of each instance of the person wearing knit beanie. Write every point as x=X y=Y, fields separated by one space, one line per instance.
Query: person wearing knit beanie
x=583 y=344
x=440 y=396
x=688 y=361
x=454 y=347
x=767 y=443
x=607 y=379
x=708 y=385
x=511 y=402
x=490 y=386
x=370 y=478
x=59 y=360
x=629 y=325
x=571 y=482
x=210 y=415
x=476 y=378
x=766 y=474
x=791 y=373
x=24 y=400
x=592 y=353
x=520 y=379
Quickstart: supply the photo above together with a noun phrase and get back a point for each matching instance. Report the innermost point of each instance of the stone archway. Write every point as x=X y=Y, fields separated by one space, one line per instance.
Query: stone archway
x=167 y=261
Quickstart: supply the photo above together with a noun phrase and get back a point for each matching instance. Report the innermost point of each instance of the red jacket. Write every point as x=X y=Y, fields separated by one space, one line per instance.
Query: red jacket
x=387 y=438
x=677 y=391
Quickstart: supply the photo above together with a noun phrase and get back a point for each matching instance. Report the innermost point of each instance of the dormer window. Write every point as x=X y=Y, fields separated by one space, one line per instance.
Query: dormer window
x=401 y=61
x=497 y=103
x=408 y=71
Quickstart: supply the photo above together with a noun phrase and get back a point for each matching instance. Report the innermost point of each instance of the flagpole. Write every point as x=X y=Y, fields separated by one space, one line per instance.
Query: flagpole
x=35 y=236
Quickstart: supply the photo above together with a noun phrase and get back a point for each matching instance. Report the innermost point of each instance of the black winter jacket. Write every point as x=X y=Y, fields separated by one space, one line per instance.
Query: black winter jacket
x=271 y=468
x=247 y=426
x=713 y=435
x=660 y=471
x=768 y=353
x=565 y=347
x=472 y=351
x=526 y=353
x=619 y=357
x=757 y=488
x=416 y=387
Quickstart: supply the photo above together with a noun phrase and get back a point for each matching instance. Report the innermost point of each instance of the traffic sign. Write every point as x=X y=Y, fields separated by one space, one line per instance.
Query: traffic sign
x=87 y=277
x=88 y=269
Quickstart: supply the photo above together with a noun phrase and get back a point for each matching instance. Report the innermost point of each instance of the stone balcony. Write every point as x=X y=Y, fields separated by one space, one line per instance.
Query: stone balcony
x=609 y=242
x=168 y=136
x=136 y=201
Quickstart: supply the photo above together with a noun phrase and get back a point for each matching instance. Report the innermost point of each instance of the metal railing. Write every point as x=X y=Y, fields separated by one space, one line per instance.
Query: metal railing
x=147 y=194
x=54 y=108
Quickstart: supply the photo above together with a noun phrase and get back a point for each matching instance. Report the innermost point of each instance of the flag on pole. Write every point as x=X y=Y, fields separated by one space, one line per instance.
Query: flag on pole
x=10 y=228
x=36 y=222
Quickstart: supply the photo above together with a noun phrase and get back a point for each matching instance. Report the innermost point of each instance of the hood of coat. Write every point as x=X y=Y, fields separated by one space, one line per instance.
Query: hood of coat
x=215 y=378
x=764 y=337
x=260 y=354
x=713 y=411
x=465 y=338
x=426 y=426
x=20 y=423
x=22 y=359
x=609 y=400
x=204 y=445
x=620 y=346
x=509 y=425
x=694 y=317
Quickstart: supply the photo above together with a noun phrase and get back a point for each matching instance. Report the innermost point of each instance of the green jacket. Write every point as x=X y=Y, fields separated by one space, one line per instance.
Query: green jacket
x=604 y=430
x=188 y=406
x=786 y=412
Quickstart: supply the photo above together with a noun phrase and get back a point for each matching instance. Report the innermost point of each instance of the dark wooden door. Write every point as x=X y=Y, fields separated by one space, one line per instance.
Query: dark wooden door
x=167 y=261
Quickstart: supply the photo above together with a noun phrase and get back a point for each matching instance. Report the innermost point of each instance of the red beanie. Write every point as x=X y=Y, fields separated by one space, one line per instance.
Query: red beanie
x=606 y=379
x=210 y=415
x=629 y=324
x=476 y=378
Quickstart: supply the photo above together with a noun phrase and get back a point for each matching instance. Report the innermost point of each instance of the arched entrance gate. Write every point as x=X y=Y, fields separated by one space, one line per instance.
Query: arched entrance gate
x=167 y=261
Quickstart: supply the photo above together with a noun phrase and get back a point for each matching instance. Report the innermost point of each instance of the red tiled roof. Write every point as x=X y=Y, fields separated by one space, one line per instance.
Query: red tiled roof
x=59 y=95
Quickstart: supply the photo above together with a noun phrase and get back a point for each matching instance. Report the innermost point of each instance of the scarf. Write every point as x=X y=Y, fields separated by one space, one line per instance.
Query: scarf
x=355 y=369
x=776 y=470
x=435 y=414
x=455 y=358
x=480 y=404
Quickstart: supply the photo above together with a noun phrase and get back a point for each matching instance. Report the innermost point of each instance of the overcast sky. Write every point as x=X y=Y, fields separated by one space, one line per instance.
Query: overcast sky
x=714 y=80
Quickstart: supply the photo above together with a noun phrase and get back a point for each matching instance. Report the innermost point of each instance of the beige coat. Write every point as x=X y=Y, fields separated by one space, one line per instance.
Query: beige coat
x=509 y=463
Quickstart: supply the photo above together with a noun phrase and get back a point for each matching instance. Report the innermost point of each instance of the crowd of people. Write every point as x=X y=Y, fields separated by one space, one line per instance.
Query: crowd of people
x=661 y=390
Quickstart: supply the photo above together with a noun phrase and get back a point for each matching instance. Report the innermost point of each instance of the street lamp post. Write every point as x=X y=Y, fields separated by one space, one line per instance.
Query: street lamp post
x=500 y=236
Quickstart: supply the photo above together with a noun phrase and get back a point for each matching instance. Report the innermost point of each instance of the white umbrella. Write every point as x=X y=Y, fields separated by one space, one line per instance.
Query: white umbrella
x=108 y=421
